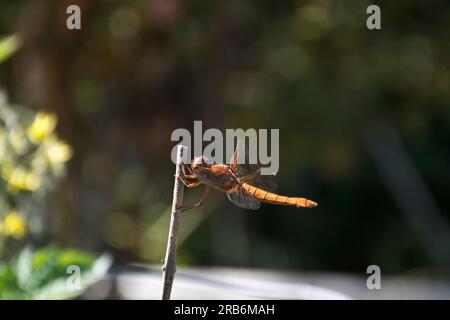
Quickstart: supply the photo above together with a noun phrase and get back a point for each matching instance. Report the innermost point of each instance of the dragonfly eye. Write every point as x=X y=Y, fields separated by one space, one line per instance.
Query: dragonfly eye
x=201 y=161
x=206 y=161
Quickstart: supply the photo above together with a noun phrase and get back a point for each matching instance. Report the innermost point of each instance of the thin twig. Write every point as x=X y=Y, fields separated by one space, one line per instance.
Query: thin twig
x=169 y=266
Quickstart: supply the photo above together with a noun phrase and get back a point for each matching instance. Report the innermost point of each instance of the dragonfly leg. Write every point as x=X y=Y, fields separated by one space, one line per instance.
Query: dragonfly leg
x=190 y=174
x=189 y=184
x=188 y=168
x=193 y=184
x=199 y=203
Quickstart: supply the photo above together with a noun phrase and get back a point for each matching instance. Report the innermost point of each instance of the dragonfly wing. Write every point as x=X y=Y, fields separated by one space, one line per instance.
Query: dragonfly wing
x=266 y=182
x=243 y=199
x=238 y=152
x=250 y=173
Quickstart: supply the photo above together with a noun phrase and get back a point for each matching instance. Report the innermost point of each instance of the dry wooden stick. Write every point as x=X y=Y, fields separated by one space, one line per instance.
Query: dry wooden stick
x=169 y=266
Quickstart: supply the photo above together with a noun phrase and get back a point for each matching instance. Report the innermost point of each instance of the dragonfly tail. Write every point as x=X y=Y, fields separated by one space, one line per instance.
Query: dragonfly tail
x=273 y=198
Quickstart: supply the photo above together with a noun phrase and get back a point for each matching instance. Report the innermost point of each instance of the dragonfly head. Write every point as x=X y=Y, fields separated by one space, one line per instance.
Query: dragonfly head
x=200 y=162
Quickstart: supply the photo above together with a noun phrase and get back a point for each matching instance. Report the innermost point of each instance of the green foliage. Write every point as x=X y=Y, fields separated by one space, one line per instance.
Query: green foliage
x=43 y=274
x=8 y=46
x=32 y=158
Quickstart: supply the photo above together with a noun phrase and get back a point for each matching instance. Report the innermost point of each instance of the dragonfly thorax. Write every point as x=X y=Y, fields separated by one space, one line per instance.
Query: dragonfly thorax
x=218 y=176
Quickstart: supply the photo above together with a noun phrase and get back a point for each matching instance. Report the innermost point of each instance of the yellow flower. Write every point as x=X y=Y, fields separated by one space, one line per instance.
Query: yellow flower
x=43 y=125
x=20 y=179
x=13 y=225
x=17 y=140
x=7 y=169
x=58 y=151
x=39 y=164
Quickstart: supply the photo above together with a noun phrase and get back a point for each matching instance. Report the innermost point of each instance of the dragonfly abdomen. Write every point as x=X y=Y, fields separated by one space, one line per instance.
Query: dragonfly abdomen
x=273 y=198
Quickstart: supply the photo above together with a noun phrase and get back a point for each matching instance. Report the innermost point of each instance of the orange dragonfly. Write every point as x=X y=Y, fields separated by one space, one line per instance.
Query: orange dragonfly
x=240 y=189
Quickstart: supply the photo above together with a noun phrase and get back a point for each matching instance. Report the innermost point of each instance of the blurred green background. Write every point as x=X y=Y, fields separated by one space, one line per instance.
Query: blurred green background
x=364 y=123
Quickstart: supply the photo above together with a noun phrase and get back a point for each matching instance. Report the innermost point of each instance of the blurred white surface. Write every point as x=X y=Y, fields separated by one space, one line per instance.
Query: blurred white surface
x=231 y=283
